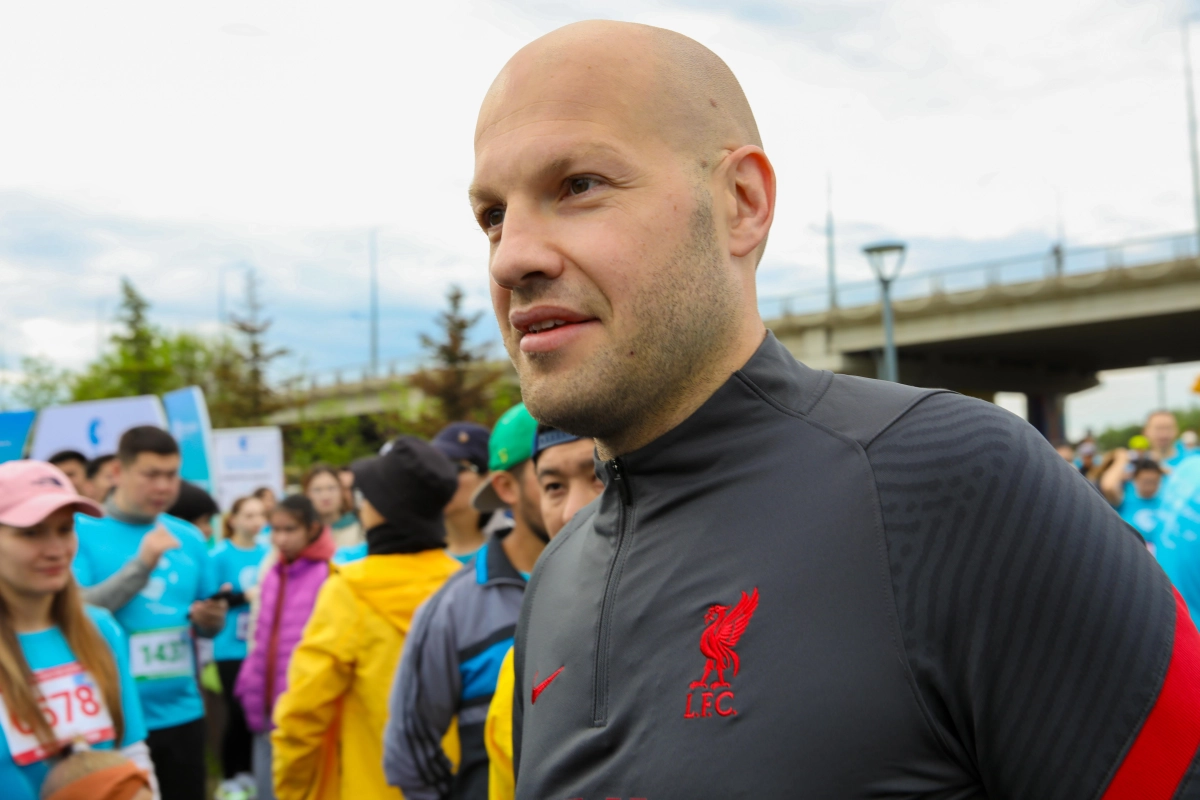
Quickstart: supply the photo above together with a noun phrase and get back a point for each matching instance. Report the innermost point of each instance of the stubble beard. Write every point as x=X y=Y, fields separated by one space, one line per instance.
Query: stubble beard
x=685 y=319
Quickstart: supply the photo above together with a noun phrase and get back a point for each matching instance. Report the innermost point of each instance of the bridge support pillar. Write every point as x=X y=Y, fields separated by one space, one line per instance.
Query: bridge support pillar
x=1047 y=413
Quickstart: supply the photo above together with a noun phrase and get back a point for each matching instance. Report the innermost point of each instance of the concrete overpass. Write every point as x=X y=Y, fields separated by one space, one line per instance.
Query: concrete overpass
x=1042 y=324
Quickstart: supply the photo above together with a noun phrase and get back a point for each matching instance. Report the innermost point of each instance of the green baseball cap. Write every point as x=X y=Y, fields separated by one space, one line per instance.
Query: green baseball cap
x=510 y=444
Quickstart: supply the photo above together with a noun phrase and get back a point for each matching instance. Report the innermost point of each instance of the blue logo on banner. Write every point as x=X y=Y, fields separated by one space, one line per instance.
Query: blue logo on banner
x=94 y=432
x=243 y=443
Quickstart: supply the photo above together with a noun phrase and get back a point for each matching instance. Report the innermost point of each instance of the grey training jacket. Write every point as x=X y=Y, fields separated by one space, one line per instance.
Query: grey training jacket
x=448 y=669
x=822 y=586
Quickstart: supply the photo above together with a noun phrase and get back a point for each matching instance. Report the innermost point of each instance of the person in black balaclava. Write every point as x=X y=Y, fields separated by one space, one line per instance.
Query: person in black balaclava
x=353 y=639
x=405 y=491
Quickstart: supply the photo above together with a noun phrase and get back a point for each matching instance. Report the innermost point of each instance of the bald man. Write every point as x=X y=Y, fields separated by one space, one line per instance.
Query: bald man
x=795 y=584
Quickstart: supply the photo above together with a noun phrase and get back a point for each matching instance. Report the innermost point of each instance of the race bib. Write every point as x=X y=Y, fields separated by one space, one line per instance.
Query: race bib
x=166 y=653
x=71 y=703
x=243 y=626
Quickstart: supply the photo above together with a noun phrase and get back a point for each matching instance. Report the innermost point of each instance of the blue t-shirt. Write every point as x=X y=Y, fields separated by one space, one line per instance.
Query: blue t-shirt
x=1178 y=549
x=1142 y=514
x=71 y=694
x=238 y=568
x=161 y=649
x=350 y=553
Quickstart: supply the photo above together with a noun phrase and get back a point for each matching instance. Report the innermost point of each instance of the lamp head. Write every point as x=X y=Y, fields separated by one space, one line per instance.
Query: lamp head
x=886 y=258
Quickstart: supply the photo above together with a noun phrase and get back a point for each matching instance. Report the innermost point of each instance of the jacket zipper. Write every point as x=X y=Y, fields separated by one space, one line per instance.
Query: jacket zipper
x=273 y=643
x=620 y=479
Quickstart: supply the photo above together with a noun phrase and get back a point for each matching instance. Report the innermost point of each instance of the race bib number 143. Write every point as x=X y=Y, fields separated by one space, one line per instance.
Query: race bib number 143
x=166 y=653
x=71 y=703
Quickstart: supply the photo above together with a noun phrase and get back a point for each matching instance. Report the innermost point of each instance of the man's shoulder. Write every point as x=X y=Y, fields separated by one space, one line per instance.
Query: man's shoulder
x=863 y=409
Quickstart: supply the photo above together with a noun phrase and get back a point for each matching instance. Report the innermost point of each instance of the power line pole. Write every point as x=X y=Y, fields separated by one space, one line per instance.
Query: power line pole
x=1191 y=108
x=374 y=303
x=829 y=248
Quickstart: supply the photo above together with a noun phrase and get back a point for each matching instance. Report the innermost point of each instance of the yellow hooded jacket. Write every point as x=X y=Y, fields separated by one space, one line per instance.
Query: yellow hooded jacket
x=328 y=740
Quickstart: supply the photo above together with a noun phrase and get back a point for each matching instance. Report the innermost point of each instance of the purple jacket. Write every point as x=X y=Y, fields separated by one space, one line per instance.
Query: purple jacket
x=289 y=592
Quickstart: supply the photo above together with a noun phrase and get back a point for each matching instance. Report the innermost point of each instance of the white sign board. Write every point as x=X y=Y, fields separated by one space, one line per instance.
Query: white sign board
x=94 y=427
x=245 y=459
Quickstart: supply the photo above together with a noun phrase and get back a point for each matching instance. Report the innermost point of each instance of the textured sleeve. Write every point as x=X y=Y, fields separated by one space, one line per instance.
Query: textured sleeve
x=423 y=703
x=1051 y=654
x=120 y=587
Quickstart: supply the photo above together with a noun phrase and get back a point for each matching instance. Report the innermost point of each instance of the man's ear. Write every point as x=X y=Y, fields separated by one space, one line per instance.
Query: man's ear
x=505 y=485
x=751 y=190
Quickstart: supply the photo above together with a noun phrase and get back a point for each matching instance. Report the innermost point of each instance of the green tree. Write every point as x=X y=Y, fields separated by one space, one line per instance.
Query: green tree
x=461 y=383
x=42 y=384
x=245 y=395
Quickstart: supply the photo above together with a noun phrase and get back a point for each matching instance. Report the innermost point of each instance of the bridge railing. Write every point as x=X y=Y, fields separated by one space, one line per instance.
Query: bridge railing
x=388 y=371
x=985 y=274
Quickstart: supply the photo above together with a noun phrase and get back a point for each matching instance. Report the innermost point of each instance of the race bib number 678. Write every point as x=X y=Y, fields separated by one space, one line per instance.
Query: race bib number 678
x=166 y=653
x=72 y=704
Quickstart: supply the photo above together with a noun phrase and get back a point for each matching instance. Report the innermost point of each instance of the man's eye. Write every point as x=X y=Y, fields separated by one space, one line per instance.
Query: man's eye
x=581 y=185
x=493 y=217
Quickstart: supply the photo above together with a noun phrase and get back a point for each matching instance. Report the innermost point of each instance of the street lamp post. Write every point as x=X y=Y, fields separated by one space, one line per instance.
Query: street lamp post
x=886 y=259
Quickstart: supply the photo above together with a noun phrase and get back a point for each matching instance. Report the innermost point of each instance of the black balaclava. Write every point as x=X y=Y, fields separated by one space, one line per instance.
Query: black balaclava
x=409 y=486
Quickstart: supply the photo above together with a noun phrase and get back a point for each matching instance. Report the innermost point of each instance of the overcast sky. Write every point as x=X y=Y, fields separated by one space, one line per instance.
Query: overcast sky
x=176 y=143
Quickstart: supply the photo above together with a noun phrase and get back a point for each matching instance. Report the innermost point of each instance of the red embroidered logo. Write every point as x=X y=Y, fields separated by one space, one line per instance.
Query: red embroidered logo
x=725 y=628
x=541 y=687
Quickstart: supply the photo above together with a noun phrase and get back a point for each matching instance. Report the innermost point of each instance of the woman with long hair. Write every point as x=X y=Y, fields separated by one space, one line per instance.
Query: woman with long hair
x=323 y=487
x=64 y=667
x=288 y=594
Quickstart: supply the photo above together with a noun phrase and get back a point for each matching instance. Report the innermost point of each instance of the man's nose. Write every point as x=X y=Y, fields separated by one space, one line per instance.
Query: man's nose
x=527 y=249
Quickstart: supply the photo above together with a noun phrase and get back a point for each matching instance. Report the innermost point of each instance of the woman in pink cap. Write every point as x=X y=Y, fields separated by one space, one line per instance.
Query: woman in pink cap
x=64 y=667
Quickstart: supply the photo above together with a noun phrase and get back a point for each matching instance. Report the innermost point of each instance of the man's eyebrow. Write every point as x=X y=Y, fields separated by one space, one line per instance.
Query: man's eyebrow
x=554 y=471
x=480 y=194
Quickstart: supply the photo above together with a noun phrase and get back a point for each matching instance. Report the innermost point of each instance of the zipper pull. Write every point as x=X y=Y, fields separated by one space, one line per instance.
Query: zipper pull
x=620 y=479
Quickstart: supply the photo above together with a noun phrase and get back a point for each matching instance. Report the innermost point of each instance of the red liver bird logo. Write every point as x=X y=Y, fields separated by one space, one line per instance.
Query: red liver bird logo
x=725 y=628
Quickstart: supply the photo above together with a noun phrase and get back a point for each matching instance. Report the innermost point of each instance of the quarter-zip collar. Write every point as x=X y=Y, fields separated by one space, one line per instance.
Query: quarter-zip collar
x=771 y=375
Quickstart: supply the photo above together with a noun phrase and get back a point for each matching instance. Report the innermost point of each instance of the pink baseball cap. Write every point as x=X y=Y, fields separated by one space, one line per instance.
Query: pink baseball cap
x=30 y=491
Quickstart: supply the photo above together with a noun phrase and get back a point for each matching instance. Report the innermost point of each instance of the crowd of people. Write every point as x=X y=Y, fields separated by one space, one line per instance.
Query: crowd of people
x=399 y=576
x=751 y=579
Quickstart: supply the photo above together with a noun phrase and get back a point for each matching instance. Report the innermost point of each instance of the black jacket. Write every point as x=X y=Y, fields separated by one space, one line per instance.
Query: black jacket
x=829 y=587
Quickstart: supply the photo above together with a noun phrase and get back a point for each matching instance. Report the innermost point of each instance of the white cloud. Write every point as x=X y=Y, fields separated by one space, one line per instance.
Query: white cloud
x=179 y=141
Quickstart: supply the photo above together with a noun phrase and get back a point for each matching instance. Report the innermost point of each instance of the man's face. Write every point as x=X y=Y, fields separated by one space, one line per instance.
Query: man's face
x=568 y=480
x=518 y=488
x=76 y=472
x=1146 y=483
x=1161 y=430
x=608 y=279
x=104 y=480
x=150 y=484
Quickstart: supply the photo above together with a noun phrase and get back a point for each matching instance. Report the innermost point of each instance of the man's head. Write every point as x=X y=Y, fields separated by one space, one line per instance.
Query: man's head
x=148 y=471
x=74 y=465
x=566 y=473
x=512 y=482
x=465 y=444
x=1147 y=478
x=102 y=477
x=620 y=178
x=1162 y=430
x=1066 y=451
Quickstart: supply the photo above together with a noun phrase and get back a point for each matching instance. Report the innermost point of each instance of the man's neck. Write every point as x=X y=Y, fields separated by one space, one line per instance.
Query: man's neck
x=120 y=509
x=522 y=546
x=653 y=425
x=462 y=532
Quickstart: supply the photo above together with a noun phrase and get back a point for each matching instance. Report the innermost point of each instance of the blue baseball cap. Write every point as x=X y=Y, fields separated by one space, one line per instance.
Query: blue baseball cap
x=464 y=441
x=546 y=437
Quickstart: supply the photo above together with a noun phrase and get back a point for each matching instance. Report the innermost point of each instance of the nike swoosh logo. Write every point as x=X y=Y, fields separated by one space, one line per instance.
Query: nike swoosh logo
x=541 y=687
